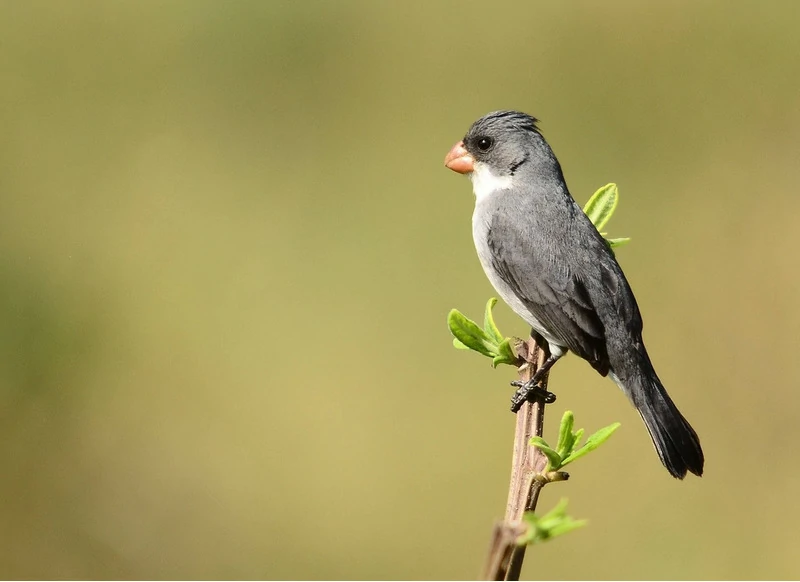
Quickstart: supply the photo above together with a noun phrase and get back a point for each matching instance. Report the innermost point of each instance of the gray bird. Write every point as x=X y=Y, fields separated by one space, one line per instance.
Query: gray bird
x=548 y=262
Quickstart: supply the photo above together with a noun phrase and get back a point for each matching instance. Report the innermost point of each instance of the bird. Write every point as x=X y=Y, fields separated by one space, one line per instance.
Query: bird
x=549 y=263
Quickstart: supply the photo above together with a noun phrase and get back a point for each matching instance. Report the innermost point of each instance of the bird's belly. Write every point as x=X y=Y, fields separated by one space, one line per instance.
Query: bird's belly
x=556 y=346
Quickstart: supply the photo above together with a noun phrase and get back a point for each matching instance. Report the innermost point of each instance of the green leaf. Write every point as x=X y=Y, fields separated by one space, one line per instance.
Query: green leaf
x=577 y=436
x=602 y=204
x=601 y=435
x=458 y=345
x=555 y=523
x=489 y=326
x=554 y=516
x=468 y=333
x=618 y=242
x=566 y=438
x=553 y=458
x=567 y=525
x=505 y=354
x=592 y=443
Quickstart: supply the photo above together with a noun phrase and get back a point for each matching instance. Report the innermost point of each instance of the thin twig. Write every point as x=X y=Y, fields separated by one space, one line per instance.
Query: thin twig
x=505 y=556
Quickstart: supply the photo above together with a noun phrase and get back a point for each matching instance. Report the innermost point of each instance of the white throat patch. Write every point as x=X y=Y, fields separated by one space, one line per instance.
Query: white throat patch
x=485 y=182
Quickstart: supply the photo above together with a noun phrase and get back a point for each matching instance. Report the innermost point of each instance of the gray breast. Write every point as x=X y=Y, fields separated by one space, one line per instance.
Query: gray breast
x=481 y=219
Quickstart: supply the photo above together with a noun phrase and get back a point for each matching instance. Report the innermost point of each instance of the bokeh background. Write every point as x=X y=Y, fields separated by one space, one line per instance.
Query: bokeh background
x=228 y=247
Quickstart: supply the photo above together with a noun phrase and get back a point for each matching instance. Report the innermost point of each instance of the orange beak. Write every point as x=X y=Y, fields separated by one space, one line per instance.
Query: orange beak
x=459 y=159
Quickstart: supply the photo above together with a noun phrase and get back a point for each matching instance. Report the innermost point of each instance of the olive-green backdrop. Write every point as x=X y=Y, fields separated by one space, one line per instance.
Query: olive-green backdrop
x=228 y=246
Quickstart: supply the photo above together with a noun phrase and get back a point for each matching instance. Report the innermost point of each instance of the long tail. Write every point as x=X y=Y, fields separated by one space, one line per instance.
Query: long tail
x=675 y=441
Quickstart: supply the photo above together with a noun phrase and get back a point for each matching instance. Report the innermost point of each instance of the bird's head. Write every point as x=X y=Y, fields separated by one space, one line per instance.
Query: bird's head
x=496 y=148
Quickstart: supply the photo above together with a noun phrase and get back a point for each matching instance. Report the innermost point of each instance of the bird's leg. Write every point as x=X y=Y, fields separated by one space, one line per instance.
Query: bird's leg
x=525 y=389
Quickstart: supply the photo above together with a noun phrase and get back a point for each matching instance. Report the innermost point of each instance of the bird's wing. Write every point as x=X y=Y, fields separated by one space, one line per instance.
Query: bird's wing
x=559 y=300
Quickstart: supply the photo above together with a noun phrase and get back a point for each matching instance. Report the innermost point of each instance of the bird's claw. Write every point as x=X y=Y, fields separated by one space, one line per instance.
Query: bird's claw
x=525 y=390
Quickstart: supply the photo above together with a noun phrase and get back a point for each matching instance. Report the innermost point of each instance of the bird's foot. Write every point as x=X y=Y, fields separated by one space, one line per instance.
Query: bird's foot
x=527 y=391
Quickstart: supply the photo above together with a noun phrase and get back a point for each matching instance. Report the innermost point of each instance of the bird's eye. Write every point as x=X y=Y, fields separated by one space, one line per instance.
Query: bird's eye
x=485 y=143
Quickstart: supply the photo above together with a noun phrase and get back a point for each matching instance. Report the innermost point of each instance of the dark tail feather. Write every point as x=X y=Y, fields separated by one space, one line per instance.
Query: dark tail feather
x=674 y=438
x=676 y=442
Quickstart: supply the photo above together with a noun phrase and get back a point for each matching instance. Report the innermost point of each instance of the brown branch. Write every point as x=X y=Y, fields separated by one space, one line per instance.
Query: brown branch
x=505 y=556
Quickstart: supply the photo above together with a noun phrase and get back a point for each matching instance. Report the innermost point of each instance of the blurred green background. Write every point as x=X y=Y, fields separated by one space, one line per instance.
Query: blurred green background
x=228 y=246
